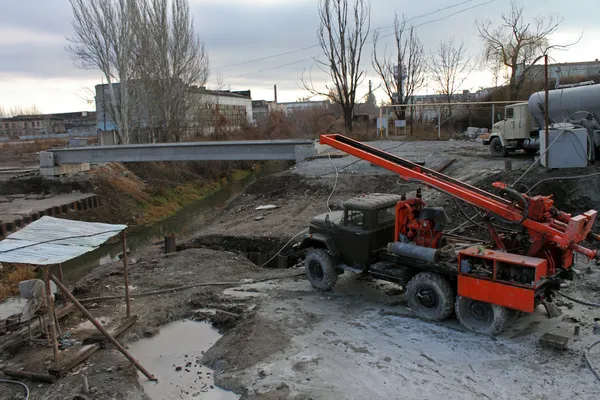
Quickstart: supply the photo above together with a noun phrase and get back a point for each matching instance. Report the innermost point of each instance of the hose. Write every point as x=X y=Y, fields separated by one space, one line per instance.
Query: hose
x=586 y=354
x=18 y=383
x=587 y=359
x=583 y=302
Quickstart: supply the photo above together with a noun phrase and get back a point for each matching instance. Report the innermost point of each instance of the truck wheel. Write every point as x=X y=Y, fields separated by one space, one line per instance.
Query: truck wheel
x=496 y=148
x=430 y=296
x=484 y=318
x=320 y=270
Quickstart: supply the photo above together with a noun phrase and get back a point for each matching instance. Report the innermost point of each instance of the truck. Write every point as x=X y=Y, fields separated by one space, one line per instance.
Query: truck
x=522 y=122
x=486 y=283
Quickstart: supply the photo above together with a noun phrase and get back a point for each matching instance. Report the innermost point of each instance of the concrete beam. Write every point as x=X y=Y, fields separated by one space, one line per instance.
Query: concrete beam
x=252 y=150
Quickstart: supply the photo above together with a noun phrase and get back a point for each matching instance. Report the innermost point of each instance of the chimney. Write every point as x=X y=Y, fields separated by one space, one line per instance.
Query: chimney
x=275 y=92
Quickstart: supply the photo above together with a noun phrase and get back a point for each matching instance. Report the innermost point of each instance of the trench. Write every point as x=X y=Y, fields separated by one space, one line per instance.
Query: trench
x=186 y=221
x=262 y=251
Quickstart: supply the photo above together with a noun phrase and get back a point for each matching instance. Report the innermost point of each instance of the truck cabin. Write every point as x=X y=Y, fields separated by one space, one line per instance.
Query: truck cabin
x=367 y=226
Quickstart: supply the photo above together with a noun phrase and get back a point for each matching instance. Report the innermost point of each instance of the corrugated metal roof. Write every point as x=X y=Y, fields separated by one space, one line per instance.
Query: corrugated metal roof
x=372 y=201
x=51 y=240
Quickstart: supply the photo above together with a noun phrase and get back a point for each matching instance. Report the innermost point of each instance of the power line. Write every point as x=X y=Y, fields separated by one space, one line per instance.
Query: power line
x=271 y=68
x=267 y=57
x=384 y=36
x=317 y=45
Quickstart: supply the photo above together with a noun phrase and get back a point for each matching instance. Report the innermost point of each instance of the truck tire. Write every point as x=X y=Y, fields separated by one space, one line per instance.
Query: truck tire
x=497 y=149
x=485 y=318
x=430 y=296
x=320 y=269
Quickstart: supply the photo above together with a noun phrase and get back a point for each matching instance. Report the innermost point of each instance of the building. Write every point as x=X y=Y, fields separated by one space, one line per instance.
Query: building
x=79 y=123
x=575 y=70
x=261 y=109
x=46 y=125
x=207 y=112
x=305 y=105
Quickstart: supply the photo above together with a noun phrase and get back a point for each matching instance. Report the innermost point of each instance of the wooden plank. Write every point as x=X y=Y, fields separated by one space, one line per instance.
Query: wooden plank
x=74 y=356
x=32 y=376
x=114 y=329
x=445 y=165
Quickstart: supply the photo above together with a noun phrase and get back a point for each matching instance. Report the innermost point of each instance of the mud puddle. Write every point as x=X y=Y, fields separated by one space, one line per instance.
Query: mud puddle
x=11 y=306
x=174 y=355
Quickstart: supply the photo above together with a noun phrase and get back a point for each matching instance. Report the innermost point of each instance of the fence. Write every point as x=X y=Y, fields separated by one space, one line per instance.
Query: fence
x=440 y=119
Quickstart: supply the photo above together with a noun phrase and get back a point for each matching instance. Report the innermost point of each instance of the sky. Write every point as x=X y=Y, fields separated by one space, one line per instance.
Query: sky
x=35 y=68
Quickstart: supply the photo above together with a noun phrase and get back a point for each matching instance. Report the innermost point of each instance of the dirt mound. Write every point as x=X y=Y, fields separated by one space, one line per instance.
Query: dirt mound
x=570 y=195
x=246 y=345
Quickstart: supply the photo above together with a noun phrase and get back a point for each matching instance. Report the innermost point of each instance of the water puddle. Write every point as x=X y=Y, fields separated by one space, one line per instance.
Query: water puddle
x=11 y=306
x=173 y=355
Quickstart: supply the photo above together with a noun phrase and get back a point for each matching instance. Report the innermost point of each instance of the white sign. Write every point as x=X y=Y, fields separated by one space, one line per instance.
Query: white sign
x=400 y=123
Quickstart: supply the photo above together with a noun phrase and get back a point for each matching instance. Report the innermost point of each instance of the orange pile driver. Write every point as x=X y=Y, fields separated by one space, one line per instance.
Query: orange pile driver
x=519 y=269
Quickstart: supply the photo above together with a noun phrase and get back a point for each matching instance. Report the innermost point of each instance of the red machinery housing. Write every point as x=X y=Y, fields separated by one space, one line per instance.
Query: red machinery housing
x=521 y=269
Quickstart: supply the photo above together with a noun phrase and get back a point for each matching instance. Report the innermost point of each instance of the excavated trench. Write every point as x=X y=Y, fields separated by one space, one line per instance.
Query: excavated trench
x=262 y=251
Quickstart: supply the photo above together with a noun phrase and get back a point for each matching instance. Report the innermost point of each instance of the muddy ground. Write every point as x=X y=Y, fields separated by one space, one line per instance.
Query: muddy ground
x=285 y=340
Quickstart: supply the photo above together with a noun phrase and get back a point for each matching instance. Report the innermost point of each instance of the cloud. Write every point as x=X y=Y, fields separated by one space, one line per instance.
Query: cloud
x=32 y=41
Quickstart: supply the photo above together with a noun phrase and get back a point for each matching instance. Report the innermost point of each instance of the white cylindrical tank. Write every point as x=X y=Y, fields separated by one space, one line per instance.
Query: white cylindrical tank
x=573 y=102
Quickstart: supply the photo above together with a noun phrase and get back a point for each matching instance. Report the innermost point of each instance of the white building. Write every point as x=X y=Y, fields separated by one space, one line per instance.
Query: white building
x=581 y=70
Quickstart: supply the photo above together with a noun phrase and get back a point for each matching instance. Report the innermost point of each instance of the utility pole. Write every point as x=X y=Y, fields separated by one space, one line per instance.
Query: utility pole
x=546 y=108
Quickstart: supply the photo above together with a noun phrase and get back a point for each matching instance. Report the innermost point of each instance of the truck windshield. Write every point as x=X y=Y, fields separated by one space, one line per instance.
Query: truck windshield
x=355 y=218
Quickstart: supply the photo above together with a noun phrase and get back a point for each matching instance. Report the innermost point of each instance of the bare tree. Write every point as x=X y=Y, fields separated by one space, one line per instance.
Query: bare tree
x=450 y=65
x=516 y=43
x=171 y=58
x=104 y=38
x=402 y=73
x=342 y=34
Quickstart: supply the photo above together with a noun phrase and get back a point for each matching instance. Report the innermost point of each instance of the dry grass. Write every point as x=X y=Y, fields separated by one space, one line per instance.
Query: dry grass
x=10 y=276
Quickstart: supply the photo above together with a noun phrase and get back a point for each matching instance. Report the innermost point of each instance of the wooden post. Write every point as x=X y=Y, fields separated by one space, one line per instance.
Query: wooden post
x=170 y=244
x=62 y=278
x=50 y=307
x=102 y=329
x=125 y=275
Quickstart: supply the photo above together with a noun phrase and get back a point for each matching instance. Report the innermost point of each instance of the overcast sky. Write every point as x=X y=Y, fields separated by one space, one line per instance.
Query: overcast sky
x=36 y=69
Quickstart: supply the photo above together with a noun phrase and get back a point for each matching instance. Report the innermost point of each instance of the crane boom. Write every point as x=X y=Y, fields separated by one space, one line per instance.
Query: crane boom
x=543 y=222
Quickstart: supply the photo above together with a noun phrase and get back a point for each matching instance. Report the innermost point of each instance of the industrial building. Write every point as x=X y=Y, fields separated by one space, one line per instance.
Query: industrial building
x=208 y=112
x=556 y=72
x=29 y=127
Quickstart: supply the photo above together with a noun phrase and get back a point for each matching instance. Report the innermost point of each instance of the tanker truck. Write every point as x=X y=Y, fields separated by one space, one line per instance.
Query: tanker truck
x=523 y=121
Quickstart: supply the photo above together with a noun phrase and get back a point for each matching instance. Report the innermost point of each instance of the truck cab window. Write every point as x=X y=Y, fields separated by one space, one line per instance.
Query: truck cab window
x=510 y=113
x=386 y=214
x=355 y=218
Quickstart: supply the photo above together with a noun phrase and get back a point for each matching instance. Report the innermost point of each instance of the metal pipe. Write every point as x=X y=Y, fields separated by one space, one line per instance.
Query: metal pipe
x=102 y=329
x=380 y=121
x=126 y=275
x=463 y=103
x=546 y=108
x=50 y=307
x=493 y=116
x=415 y=252
x=439 y=122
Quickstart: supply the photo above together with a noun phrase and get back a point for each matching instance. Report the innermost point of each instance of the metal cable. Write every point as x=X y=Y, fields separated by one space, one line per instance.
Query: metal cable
x=18 y=383
x=335 y=183
x=587 y=351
